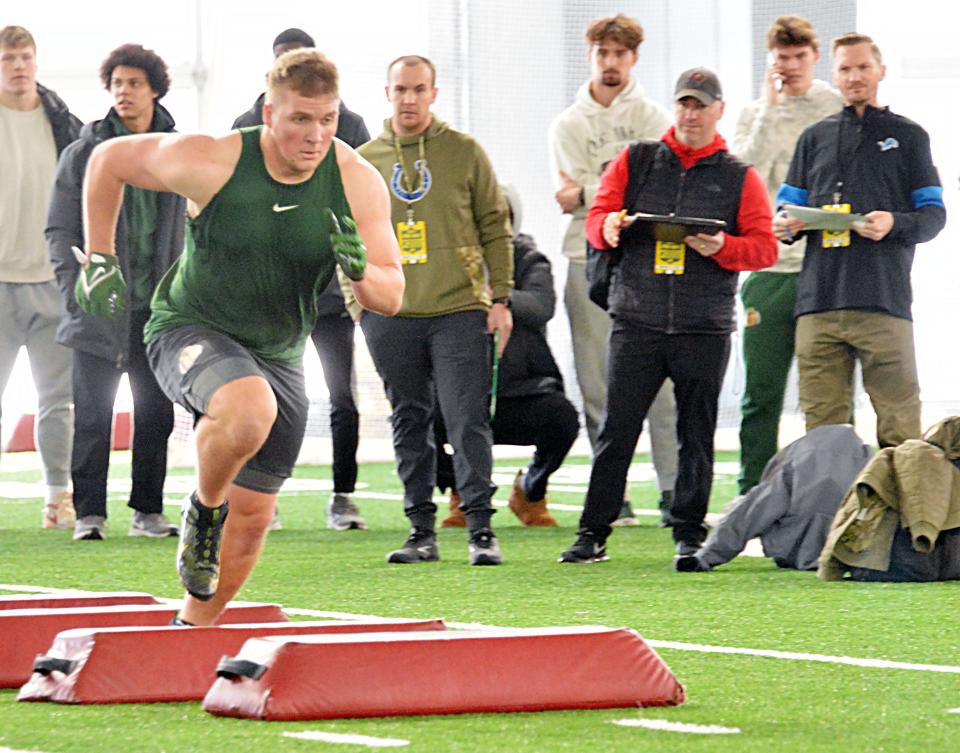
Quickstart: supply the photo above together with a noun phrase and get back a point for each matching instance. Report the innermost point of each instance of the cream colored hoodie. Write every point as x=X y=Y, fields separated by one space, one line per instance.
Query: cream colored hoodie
x=586 y=136
x=766 y=137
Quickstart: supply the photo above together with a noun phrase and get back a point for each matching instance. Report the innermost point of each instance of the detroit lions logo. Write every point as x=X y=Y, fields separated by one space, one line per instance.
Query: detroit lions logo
x=396 y=184
x=888 y=143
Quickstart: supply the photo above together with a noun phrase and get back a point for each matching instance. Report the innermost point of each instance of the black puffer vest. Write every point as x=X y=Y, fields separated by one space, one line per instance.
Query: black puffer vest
x=701 y=300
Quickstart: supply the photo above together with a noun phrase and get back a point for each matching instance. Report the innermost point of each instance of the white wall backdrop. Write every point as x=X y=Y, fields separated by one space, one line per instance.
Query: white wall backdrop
x=505 y=70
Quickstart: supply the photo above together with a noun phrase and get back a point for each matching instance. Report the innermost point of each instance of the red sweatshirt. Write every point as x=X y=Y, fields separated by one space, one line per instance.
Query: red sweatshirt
x=754 y=248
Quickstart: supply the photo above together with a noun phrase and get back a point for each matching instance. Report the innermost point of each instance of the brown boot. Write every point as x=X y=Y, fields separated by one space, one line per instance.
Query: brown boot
x=456 y=518
x=531 y=514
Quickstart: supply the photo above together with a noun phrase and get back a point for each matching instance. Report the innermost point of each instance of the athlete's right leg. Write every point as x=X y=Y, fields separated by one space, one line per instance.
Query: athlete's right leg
x=235 y=397
x=244 y=532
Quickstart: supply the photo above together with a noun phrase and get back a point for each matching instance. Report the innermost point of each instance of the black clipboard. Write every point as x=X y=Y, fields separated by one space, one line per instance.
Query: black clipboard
x=672 y=228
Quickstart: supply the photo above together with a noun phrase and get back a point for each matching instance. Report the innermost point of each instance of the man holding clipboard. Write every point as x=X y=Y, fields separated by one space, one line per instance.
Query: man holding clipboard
x=873 y=170
x=672 y=300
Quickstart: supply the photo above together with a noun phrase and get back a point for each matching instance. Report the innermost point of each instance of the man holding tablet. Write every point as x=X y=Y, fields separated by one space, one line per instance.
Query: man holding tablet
x=672 y=302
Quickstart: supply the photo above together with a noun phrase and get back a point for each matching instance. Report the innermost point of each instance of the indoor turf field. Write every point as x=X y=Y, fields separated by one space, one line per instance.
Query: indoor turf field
x=790 y=676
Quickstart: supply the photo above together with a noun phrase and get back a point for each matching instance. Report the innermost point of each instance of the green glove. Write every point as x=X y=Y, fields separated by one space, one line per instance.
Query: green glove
x=348 y=248
x=100 y=287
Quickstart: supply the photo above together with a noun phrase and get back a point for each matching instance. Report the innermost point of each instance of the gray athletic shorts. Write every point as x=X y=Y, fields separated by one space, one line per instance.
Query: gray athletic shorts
x=193 y=362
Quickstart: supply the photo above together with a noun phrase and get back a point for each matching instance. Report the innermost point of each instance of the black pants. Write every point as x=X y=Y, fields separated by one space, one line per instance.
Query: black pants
x=95 y=382
x=333 y=338
x=549 y=422
x=428 y=361
x=640 y=360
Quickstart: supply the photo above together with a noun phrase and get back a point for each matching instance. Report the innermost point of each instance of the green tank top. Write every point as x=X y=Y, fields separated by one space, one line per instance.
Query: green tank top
x=256 y=258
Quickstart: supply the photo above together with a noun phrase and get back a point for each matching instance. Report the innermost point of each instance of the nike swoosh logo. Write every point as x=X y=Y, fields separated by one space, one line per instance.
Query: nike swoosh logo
x=278 y=208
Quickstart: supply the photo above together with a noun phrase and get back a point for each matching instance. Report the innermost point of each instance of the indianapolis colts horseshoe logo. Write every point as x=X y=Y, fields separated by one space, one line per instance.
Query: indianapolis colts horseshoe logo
x=410 y=196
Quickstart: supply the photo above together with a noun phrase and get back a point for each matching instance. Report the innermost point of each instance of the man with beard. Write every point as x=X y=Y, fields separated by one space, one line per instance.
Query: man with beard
x=609 y=114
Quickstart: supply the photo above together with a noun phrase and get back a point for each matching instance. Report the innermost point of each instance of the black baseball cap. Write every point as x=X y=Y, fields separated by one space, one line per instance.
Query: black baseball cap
x=701 y=84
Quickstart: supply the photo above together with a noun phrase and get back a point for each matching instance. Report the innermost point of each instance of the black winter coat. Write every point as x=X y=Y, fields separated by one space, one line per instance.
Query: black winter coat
x=66 y=126
x=527 y=367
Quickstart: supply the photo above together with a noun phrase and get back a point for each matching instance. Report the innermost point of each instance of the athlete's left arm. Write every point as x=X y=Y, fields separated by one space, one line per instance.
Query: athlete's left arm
x=381 y=289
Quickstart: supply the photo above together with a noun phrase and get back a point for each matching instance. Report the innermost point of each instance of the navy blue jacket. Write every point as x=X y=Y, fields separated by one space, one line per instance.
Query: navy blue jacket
x=879 y=162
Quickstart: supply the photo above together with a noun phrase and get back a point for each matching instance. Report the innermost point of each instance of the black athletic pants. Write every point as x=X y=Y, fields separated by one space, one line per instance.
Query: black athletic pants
x=640 y=360
x=549 y=422
x=333 y=338
x=95 y=382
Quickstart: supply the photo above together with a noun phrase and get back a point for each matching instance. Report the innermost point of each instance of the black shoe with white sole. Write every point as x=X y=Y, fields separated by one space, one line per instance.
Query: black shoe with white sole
x=420 y=546
x=589 y=547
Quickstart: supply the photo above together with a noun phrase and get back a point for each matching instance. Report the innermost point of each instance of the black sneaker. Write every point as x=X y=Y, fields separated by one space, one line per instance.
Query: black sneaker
x=588 y=547
x=484 y=549
x=687 y=548
x=420 y=546
x=198 y=560
x=690 y=564
x=178 y=621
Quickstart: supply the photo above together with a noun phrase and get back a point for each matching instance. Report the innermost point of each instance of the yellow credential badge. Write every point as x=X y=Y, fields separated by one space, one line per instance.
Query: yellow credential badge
x=412 y=237
x=670 y=258
x=836 y=238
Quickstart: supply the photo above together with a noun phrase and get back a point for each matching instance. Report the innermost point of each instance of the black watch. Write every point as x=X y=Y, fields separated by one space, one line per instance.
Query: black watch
x=505 y=300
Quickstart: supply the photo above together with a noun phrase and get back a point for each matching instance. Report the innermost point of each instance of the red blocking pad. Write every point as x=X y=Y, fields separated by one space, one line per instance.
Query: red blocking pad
x=146 y=665
x=78 y=599
x=322 y=677
x=26 y=632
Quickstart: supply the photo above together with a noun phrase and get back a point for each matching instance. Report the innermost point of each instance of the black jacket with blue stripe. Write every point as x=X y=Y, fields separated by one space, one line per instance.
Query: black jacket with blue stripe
x=881 y=161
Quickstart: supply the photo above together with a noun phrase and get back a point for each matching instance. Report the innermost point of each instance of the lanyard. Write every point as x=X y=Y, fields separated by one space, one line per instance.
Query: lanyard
x=408 y=185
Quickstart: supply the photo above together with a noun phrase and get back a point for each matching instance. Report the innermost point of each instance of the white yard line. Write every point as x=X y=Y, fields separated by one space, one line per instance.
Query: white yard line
x=663 y=725
x=336 y=737
x=674 y=645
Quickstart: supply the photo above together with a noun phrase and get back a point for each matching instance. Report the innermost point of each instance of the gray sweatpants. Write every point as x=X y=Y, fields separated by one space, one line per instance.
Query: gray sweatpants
x=29 y=315
x=590 y=332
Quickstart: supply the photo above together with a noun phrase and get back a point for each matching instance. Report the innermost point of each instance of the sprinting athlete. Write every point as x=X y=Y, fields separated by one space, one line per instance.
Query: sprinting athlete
x=230 y=320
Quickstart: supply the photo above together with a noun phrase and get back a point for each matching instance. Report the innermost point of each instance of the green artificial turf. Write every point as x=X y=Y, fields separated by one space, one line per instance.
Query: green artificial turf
x=779 y=705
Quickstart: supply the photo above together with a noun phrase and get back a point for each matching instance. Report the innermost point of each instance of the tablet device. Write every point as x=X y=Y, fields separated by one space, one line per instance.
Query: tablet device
x=672 y=228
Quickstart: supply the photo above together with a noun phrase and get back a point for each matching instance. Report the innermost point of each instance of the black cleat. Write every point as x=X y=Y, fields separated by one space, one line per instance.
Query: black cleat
x=198 y=559
x=588 y=547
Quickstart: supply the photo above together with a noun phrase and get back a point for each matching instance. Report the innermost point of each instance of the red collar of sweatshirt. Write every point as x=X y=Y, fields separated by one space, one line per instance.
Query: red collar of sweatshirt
x=689 y=157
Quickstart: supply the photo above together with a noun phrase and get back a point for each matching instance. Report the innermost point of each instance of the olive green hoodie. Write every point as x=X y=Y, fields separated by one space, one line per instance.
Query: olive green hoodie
x=469 y=242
